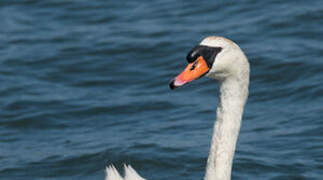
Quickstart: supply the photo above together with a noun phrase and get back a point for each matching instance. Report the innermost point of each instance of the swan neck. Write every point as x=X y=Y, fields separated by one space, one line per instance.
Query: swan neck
x=232 y=98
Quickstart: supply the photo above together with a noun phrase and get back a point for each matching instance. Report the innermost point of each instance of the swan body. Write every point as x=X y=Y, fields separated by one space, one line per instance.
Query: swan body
x=220 y=59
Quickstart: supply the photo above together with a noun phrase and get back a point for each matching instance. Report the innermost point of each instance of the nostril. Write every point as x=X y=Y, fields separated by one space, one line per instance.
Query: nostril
x=194 y=66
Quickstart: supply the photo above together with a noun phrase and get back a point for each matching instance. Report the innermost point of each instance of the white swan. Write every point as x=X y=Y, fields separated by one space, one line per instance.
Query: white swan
x=221 y=59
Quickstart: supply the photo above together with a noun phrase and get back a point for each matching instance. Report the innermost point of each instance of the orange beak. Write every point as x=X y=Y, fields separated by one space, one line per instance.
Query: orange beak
x=192 y=71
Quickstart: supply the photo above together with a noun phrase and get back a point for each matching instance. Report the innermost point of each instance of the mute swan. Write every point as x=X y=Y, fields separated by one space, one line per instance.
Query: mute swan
x=221 y=59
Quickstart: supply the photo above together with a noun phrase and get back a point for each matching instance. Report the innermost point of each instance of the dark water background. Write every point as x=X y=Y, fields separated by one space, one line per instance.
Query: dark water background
x=84 y=83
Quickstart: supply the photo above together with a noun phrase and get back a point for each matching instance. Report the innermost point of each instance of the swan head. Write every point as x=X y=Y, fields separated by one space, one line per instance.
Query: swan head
x=215 y=57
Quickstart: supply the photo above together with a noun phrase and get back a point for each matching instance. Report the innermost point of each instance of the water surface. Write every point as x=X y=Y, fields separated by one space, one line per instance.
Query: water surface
x=85 y=84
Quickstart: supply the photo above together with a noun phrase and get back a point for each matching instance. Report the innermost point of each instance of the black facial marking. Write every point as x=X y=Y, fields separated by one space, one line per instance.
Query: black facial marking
x=208 y=53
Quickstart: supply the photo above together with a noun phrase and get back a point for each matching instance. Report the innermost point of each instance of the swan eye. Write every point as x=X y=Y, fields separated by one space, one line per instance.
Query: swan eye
x=194 y=65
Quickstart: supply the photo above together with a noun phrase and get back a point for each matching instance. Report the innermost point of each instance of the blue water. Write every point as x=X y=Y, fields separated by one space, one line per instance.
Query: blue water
x=84 y=84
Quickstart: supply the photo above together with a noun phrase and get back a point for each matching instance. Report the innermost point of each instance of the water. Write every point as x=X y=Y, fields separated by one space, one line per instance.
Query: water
x=85 y=84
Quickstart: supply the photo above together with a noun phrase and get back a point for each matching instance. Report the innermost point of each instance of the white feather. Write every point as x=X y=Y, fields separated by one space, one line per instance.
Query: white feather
x=112 y=173
x=130 y=173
